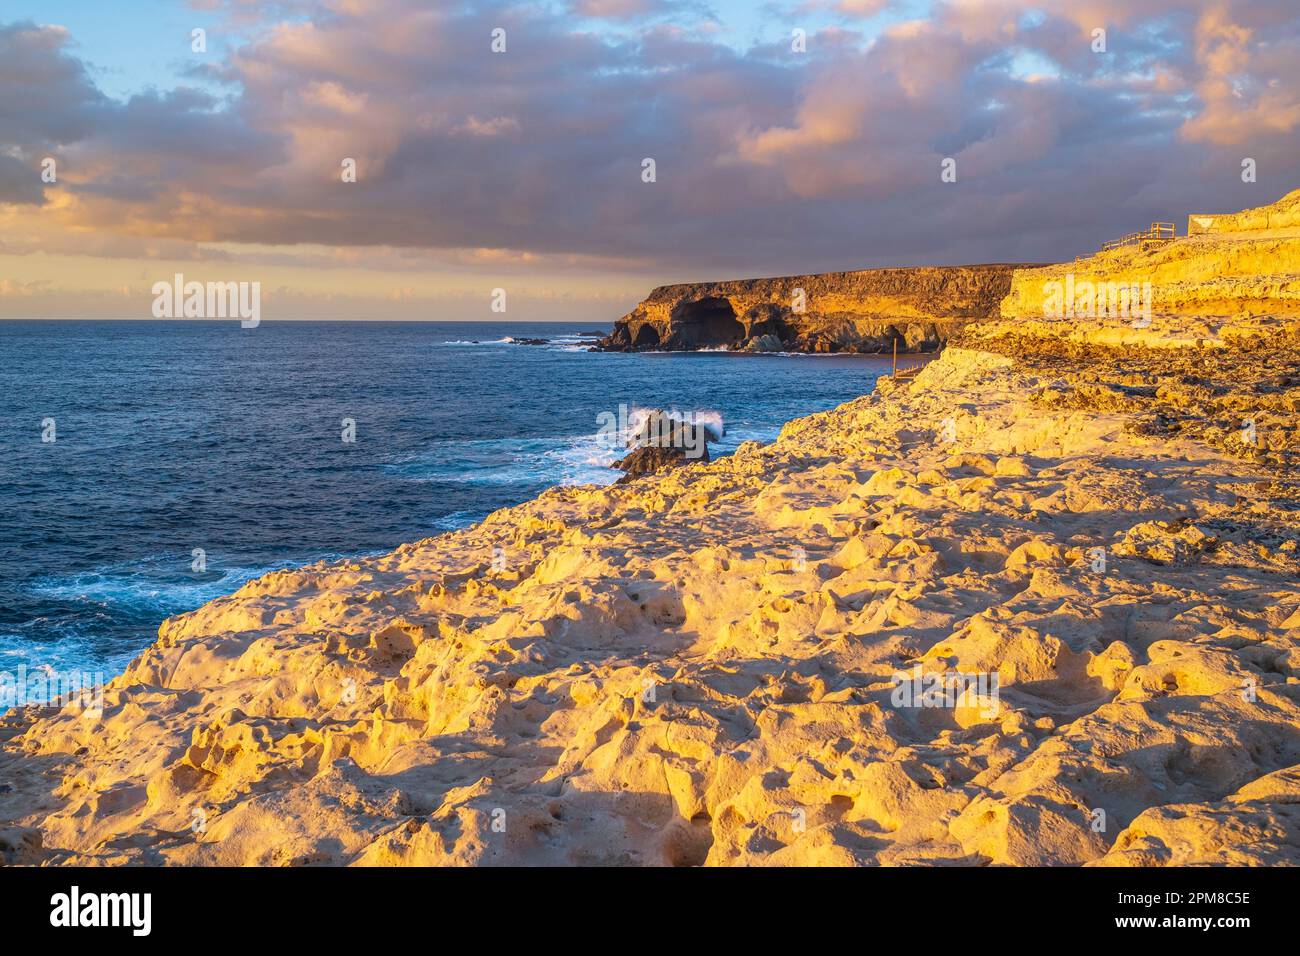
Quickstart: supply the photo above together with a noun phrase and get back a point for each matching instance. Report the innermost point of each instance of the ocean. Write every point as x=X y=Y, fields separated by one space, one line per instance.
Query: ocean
x=147 y=467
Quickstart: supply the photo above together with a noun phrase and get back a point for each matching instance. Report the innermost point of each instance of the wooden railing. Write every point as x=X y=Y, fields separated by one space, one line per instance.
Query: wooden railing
x=1157 y=233
x=906 y=371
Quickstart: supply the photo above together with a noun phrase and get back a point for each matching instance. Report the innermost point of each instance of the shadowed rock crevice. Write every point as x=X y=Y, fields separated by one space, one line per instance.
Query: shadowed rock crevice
x=705 y=323
x=647 y=337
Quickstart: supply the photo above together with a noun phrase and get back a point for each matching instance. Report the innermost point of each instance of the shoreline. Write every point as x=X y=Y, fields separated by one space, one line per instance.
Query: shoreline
x=108 y=576
x=1037 y=604
x=687 y=586
x=867 y=311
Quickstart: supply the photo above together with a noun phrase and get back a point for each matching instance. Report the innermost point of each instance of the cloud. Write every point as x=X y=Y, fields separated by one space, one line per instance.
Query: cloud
x=19 y=183
x=615 y=9
x=46 y=96
x=47 y=101
x=1249 y=83
x=632 y=10
x=767 y=160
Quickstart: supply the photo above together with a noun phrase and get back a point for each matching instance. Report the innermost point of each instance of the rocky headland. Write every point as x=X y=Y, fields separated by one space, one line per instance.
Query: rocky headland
x=866 y=311
x=1090 y=524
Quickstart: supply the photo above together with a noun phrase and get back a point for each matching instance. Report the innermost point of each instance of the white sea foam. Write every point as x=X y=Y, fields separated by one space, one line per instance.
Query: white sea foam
x=708 y=418
x=560 y=460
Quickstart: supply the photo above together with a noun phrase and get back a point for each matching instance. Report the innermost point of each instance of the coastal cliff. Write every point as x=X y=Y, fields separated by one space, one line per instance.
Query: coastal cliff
x=1094 y=541
x=863 y=311
x=1235 y=278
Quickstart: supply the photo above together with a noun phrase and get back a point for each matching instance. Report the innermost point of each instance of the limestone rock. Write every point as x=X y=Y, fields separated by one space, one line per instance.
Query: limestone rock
x=865 y=311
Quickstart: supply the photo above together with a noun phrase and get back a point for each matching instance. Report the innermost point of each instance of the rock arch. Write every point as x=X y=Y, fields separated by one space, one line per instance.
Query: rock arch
x=647 y=336
x=705 y=323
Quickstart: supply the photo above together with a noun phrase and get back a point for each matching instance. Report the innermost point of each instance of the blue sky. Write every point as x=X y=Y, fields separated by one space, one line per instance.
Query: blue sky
x=145 y=44
x=124 y=53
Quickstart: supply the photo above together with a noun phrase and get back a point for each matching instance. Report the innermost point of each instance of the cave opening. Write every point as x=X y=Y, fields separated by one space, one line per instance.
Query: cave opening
x=706 y=323
x=646 y=337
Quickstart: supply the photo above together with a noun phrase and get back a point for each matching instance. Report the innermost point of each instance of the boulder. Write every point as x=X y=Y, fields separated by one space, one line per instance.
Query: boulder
x=664 y=440
x=763 y=343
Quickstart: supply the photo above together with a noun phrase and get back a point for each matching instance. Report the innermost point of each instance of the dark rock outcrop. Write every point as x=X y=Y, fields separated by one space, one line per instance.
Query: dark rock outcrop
x=864 y=311
x=664 y=441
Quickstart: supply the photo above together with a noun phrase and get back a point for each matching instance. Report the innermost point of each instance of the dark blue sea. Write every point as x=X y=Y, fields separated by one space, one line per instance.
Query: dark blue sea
x=172 y=436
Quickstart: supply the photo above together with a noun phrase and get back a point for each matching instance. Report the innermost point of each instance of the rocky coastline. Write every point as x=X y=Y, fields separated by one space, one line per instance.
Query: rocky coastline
x=1038 y=604
x=869 y=312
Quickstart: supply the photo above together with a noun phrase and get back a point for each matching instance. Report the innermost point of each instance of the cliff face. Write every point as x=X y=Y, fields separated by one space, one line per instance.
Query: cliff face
x=863 y=311
x=1236 y=279
x=1038 y=605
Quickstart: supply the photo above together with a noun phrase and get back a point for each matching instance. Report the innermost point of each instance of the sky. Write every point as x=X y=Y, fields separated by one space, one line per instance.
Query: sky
x=524 y=169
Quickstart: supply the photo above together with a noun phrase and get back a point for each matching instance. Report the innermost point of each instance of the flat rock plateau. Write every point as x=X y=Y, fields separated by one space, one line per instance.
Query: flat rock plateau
x=702 y=666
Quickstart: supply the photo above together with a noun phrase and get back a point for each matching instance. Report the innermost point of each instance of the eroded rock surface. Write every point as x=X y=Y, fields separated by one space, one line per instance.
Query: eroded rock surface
x=1096 y=521
x=864 y=311
x=699 y=667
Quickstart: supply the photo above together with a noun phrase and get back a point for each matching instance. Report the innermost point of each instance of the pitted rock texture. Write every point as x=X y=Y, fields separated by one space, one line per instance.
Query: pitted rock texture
x=699 y=667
